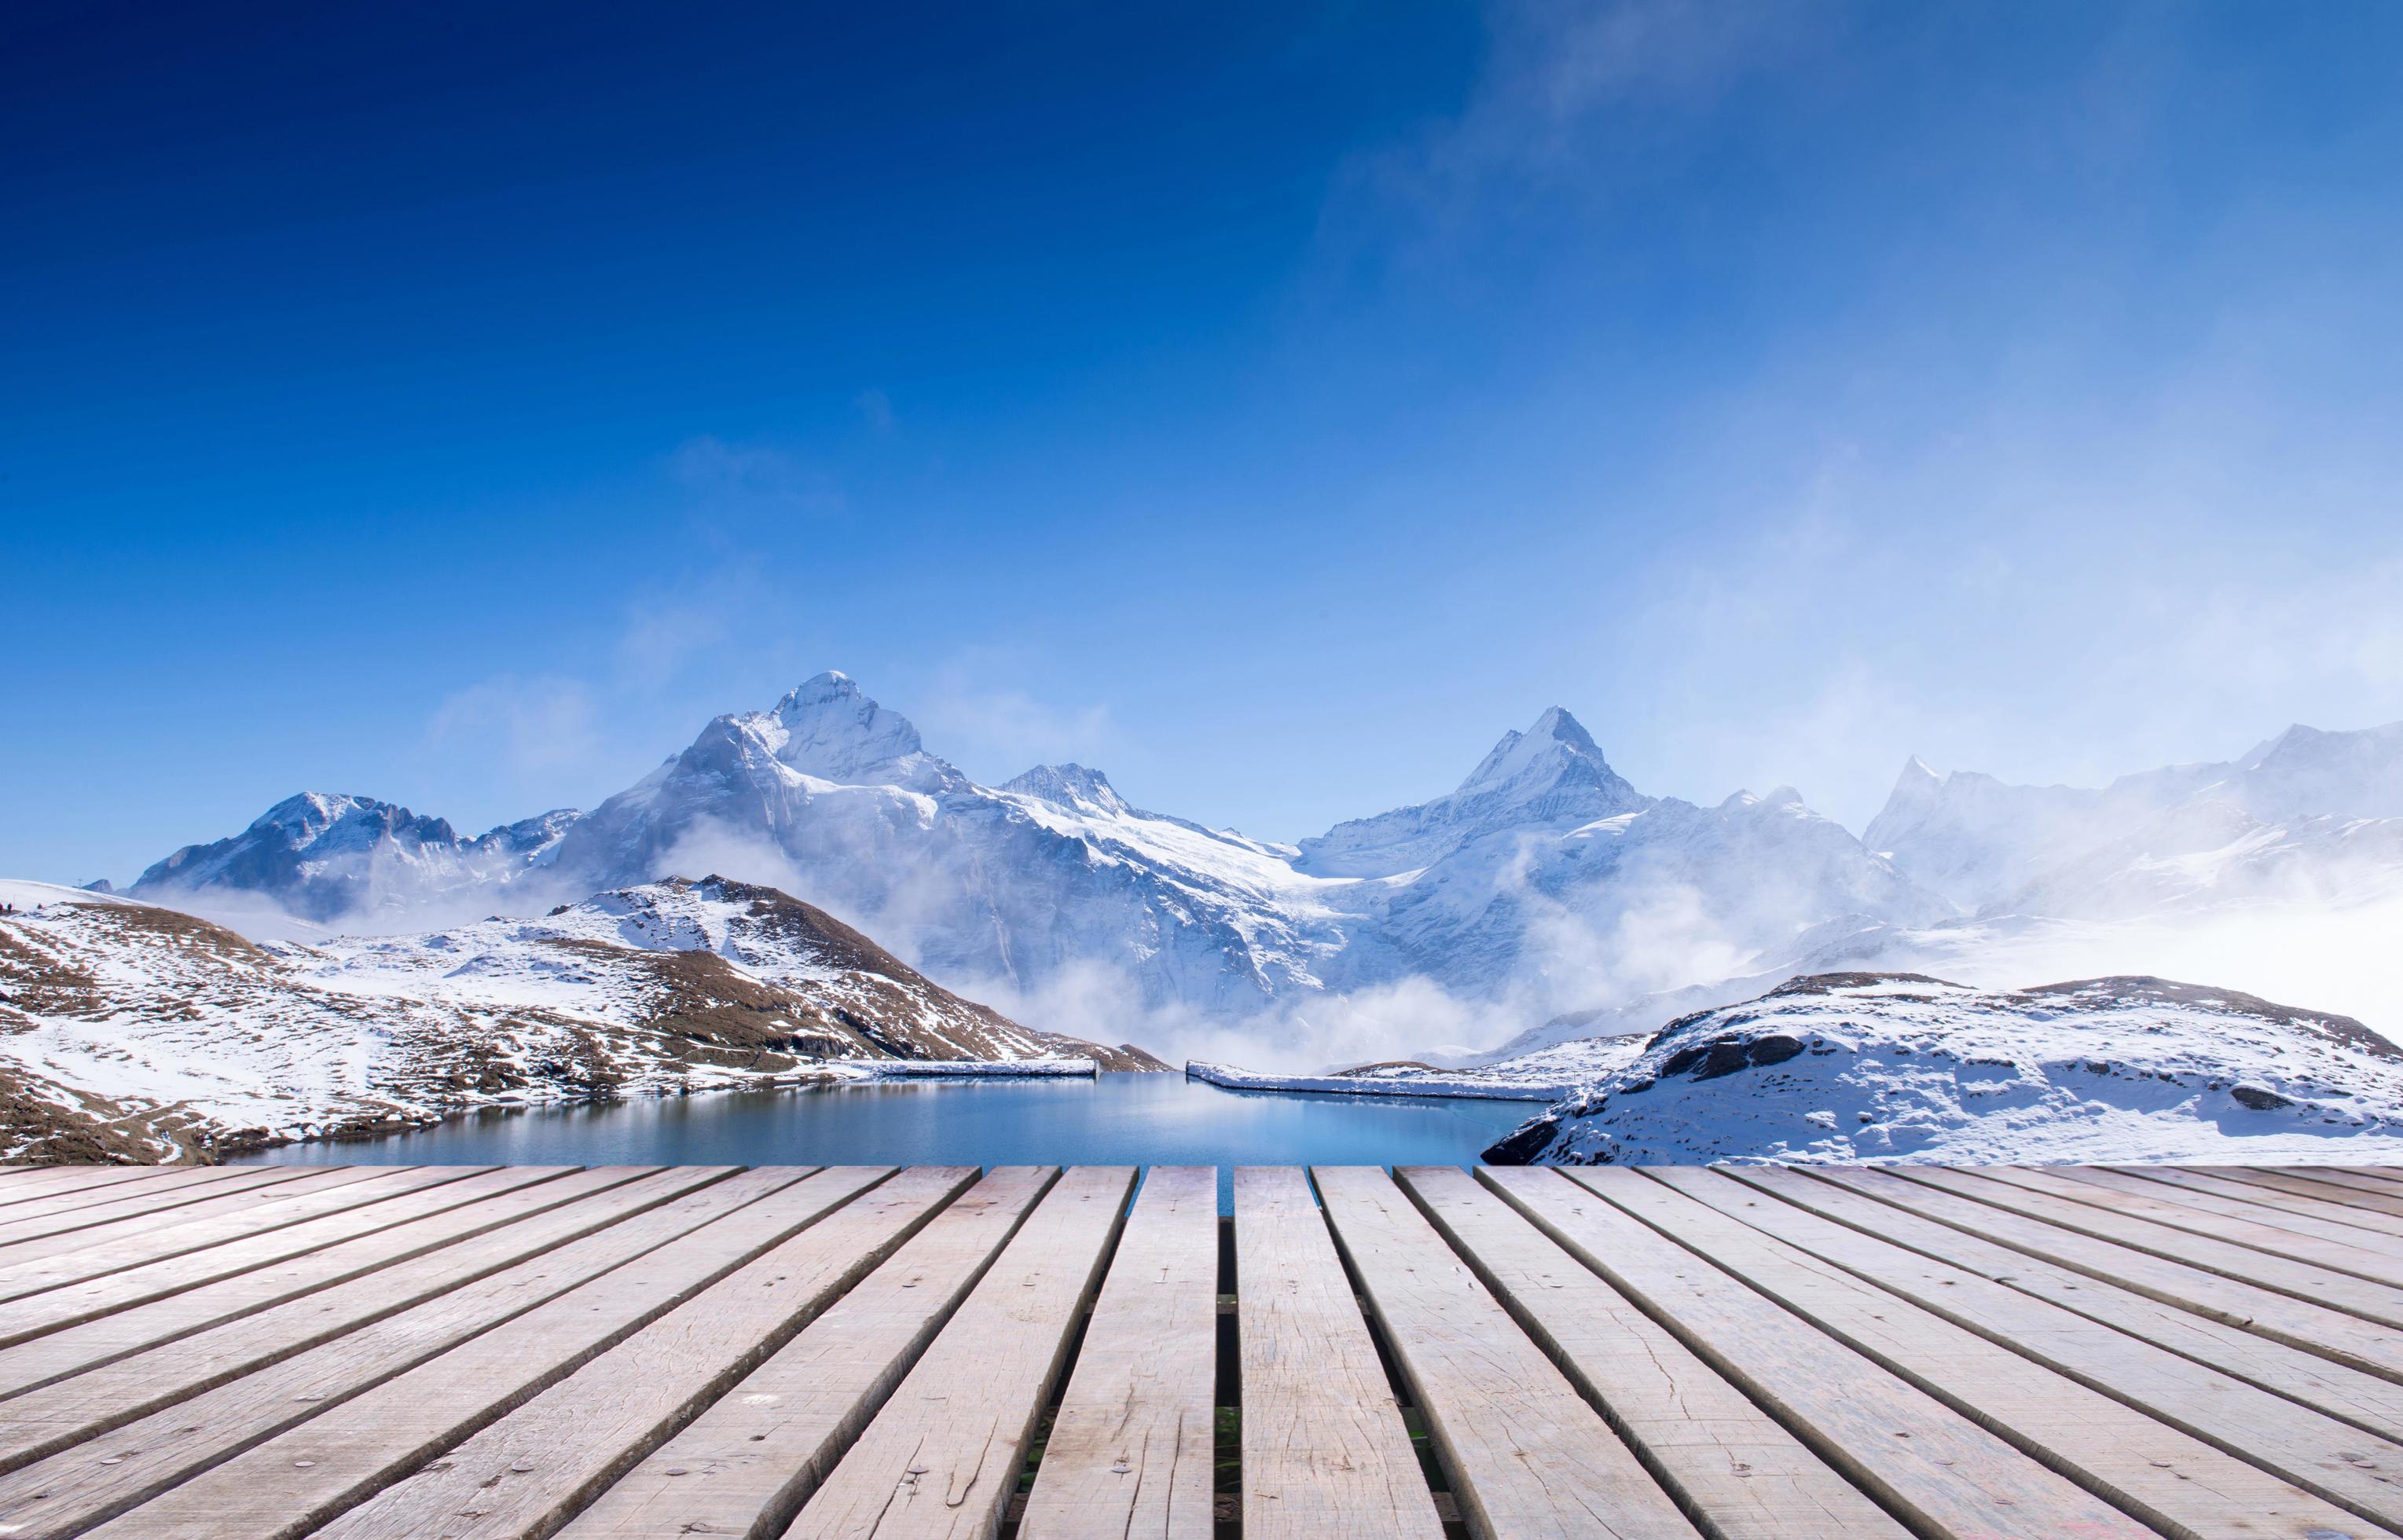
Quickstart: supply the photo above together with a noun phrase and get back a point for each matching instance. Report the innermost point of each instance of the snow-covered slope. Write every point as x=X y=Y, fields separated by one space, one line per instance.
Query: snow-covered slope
x=1511 y=886
x=1887 y=1067
x=325 y=857
x=128 y=1030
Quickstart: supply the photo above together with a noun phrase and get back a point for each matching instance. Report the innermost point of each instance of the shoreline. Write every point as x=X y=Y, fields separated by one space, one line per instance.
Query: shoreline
x=1456 y=1087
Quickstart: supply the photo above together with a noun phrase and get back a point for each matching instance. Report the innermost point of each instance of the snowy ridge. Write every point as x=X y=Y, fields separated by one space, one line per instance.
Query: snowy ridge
x=2310 y=812
x=1872 y=1068
x=1546 y=1077
x=132 y=1031
x=1542 y=883
x=1496 y=889
x=322 y=856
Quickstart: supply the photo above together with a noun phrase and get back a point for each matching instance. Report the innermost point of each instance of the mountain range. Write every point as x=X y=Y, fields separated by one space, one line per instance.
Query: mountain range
x=1543 y=882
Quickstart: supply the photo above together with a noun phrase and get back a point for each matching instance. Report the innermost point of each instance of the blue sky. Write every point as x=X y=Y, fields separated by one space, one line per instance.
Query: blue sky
x=1268 y=404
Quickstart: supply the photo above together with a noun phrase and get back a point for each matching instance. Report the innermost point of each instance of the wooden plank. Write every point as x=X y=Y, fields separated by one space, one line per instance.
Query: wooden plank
x=2363 y=1400
x=82 y=1229
x=76 y=1403
x=304 y=1477
x=167 y=1187
x=1724 y=1458
x=2390 y=1177
x=51 y=1181
x=2361 y=1345
x=2247 y=1264
x=2278 y=1234
x=746 y=1464
x=2335 y=1462
x=1131 y=1450
x=1943 y=1473
x=942 y=1458
x=265 y=1269
x=80 y=1486
x=2167 y=1477
x=1525 y=1454
x=2316 y=1186
x=528 y=1472
x=248 y=1233
x=2295 y=1205
x=1325 y=1448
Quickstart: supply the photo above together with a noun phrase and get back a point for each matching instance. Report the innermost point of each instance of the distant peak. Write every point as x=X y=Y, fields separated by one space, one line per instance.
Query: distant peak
x=820 y=689
x=310 y=810
x=1068 y=786
x=1558 y=726
x=1554 y=737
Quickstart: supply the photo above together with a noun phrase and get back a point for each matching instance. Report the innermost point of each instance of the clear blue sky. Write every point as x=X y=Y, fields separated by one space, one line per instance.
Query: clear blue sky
x=1270 y=404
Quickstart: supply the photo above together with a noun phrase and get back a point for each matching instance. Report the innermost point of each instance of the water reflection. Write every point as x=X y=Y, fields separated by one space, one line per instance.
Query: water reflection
x=1113 y=1119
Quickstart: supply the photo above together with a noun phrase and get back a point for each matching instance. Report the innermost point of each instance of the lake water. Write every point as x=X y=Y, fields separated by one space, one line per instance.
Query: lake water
x=1111 y=1120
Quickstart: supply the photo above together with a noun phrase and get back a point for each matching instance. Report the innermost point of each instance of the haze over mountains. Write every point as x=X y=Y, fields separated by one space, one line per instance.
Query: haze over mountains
x=1544 y=882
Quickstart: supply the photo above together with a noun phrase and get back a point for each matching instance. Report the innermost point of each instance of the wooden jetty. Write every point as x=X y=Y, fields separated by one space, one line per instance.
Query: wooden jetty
x=1745 y=1353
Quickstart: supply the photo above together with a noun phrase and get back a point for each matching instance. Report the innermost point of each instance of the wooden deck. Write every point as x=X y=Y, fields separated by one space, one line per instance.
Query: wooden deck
x=1746 y=1353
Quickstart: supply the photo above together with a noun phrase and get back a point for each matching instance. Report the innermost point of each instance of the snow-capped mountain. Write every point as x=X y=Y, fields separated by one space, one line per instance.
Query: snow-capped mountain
x=1013 y=884
x=2309 y=812
x=1550 y=778
x=1867 y=1068
x=130 y=1030
x=320 y=856
x=1541 y=874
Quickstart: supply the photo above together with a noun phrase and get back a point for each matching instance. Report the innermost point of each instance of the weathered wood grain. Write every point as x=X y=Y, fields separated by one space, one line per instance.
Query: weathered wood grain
x=2363 y=1400
x=301 y=1478
x=2288 y=1204
x=73 y=1406
x=1324 y=1449
x=201 y=1288
x=2361 y=1345
x=1525 y=1454
x=942 y=1458
x=130 y=1223
x=528 y=1472
x=2278 y=1233
x=182 y=1185
x=2354 y=1179
x=1945 y=1474
x=1131 y=1450
x=2335 y=1462
x=2335 y=1187
x=1726 y=1460
x=2166 y=1477
x=81 y=1484
x=180 y=1252
x=48 y=1180
x=2338 y=1291
x=746 y=1464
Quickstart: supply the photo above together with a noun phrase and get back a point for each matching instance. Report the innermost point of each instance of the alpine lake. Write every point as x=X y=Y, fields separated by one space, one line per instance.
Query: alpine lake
x=1119 y=1119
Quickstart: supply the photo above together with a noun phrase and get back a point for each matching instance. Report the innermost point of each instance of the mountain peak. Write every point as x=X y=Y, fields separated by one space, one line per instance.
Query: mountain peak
x=1070 y=785
x=826 y=726
x=1555 y=737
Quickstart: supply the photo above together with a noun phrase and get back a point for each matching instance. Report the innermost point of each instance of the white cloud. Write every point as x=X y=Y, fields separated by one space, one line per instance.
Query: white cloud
x=527 y=727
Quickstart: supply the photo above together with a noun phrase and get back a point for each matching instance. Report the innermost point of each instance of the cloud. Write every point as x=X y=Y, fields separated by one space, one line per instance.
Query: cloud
x=749 y=479
x=875 y=408
x=1540 y=111
x=1006 y=728
x=526 y=726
